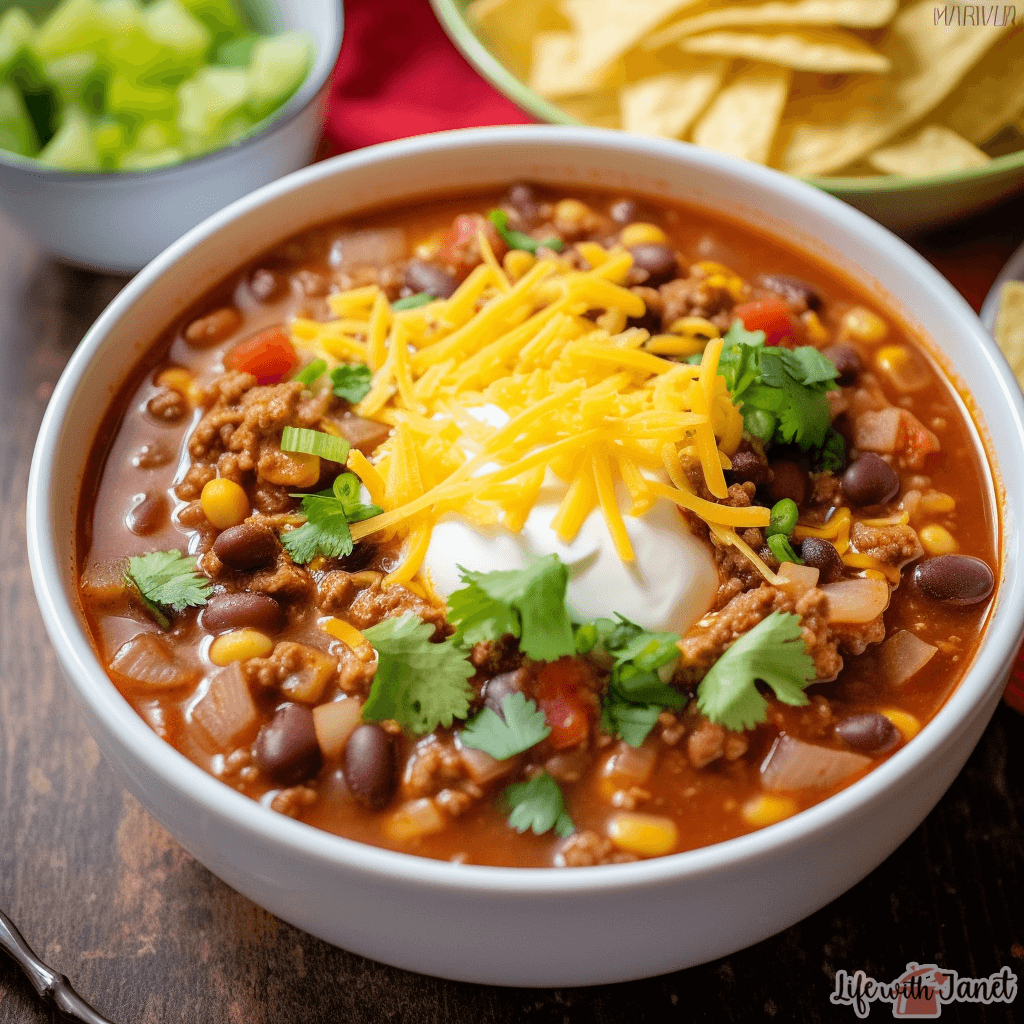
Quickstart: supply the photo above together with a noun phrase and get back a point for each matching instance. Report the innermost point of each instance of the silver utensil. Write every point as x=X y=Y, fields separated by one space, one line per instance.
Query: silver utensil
x=52 y=987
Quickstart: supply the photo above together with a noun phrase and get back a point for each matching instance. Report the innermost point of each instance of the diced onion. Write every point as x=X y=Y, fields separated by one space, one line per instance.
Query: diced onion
x=797 y=579
x=482 y=768
x=856 y=601
x=414 y=819
x=877 y=431
x=793 y=764
x=314 y=442
x=902 y=656
x=225 y=716
x=149 y=661
x=335 y=722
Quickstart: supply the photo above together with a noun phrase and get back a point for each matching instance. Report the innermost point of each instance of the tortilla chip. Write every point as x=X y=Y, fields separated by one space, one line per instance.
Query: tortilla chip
x=825 y=132
x=933 y=149
x=992 y=95
x=667 y=104
x=557 y=69
x=508 y=26
x=1009 y=326
x=827 y=51
x=744 y=117
x=606 y=29
x=712 y=15
x=600 y=109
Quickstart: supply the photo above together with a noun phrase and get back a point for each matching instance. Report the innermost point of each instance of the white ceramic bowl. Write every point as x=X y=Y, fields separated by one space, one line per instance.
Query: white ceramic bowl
x=501 y=925
x=120 y=220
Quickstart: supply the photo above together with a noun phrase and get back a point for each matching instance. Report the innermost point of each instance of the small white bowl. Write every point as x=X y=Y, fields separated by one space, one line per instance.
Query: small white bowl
x=503 y=925
x=119 y=220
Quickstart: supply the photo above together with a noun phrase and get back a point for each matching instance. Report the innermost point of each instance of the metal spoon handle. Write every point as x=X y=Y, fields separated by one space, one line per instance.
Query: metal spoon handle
x=51 y=986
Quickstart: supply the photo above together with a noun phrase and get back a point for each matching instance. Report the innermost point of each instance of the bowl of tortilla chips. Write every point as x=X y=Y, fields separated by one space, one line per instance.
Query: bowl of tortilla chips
x=911 y=110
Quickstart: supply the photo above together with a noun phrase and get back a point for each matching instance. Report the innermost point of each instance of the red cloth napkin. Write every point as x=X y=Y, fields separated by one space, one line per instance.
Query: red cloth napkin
x=400 y=75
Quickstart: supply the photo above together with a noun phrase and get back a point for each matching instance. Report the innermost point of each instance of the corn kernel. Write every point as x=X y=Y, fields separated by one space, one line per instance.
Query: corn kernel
x=642 y=234
x=292 y=469
x=935 y=503
x=179 y=379
x=862 y=324
x=937 y=540
x=903 y=367
x=816 y=331
x=766 y=809
x=238 y=645
x=414 y=819
x=647 y=835
x=907 y=724
x=224 y=503
x=517 y=262
x=572 y=215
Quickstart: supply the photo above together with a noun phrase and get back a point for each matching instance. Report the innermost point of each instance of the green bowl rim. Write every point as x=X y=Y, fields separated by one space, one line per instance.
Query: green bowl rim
x=452 y=17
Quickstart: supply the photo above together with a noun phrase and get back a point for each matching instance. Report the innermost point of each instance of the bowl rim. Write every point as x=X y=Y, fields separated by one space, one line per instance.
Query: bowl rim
x=451 y=14
x=270 y=830
x=317 y=78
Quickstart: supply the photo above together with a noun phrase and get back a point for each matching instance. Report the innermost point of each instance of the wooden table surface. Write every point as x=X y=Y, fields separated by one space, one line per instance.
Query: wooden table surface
x=148 y=935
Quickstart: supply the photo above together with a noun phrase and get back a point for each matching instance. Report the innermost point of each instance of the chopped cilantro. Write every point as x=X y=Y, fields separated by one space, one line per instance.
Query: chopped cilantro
x=528 y=603
x=538 y=805
x=780 y=391
x=419 y=684
x=314 y=442
x=518 y=240
x=167 y=580
x=311 y=372
x=328 y=514
x=524 y=726
x=412 y=302
x=832 y=456
x=351 y=381
x=636 y=693
x=772 y=652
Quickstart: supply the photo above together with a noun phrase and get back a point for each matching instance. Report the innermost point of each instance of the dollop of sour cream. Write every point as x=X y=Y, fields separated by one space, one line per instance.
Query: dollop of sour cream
x=668 y=587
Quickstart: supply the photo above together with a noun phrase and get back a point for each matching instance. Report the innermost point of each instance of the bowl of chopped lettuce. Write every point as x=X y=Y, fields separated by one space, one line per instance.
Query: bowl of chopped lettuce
x=123 y=123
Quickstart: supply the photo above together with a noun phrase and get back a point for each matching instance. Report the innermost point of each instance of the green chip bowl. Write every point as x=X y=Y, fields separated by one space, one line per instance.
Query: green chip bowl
x=905 y=205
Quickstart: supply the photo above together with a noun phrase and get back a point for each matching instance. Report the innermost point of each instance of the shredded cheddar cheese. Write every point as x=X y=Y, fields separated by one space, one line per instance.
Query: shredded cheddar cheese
x=595 y=403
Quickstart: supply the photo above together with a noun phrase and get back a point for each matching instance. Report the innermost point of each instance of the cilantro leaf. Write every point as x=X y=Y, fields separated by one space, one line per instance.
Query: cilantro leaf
x=518 y=240
x=528 y=603
x=167 y=580
x=780 y=391
x=523 y=726
x=419 y=684
x=772 y=652
x=351 y=381
x=328 y=514
x=538 y=805
x=832 y=456
x=636 y=693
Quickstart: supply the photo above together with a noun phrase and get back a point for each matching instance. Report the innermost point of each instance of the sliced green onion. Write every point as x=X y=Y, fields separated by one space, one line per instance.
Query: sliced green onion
x=516 y=239
x=783 y=550
x=760 y=424
x=314 y=371
x=413 y=302
x=783 y=518
x=314 y=442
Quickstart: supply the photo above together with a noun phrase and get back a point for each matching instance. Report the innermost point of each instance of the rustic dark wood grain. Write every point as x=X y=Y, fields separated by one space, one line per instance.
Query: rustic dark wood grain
x=108 y=898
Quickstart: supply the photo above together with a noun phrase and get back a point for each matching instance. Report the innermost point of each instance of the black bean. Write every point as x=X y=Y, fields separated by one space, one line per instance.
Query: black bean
x=152 y=456
x=792 y=289
x=370 y=766
x=658 y=259
x=233 y=611
x=286 y=747
x=167 y=406
x=870 y=481
x=955 y=579
x=213 y=328
x=748 y=466
x=524 y=200
x=789 y=480
x=246 y=546
x=432 y=278
x=148 y=513
x=625 y=211
x=267 y=285
x=500 y=686
x=869 y=732
x=846 y=361
x=366 y=435
x=822 y=555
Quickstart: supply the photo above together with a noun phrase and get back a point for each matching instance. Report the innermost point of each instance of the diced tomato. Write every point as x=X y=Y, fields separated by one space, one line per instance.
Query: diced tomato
x=269 y=356
x=770 y=315
x=560 y=688
x=459 y=247
x=914 y=441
